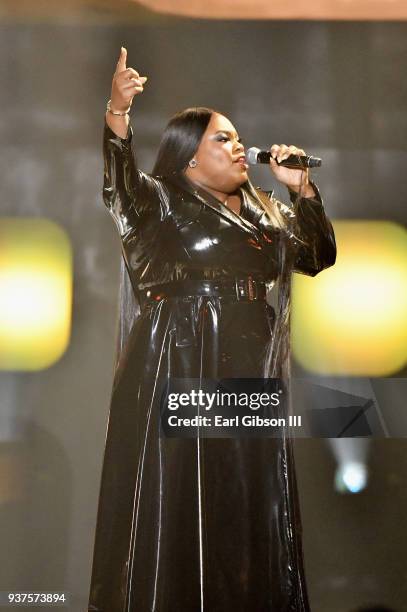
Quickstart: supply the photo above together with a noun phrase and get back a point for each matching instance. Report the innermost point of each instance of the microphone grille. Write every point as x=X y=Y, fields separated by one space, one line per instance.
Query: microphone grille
x=251 y=155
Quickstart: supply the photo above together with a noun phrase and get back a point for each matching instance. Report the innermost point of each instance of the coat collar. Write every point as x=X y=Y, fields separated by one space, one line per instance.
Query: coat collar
x=181 y=181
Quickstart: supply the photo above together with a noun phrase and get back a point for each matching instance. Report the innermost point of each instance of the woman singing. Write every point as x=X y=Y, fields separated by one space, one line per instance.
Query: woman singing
x=200 y=524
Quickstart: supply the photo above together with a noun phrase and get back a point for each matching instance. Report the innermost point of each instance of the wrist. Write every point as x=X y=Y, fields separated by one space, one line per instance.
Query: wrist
x=119 y=124
x=305 y=189
x=115 y=110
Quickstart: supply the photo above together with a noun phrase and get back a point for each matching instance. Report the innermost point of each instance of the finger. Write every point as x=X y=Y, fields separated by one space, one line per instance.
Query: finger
x=132 y=84
x=127 y=74
x=274 y=150
x=135 y=78
x=121 y=64
x=291 y=150
x=282 y=152
x=132 y=87
x=295 y=150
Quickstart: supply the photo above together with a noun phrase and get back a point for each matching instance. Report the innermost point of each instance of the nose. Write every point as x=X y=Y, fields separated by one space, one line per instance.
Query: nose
x=240 y=148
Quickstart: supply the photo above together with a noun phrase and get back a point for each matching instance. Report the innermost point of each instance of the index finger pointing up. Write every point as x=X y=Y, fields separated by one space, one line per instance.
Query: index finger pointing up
x=121 y=64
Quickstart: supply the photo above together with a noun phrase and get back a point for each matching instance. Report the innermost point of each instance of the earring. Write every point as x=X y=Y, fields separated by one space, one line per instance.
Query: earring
x=192 y=163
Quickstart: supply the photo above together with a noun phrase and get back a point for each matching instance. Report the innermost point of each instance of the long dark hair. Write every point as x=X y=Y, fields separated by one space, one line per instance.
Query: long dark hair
x=179 y=142
x=181 y=139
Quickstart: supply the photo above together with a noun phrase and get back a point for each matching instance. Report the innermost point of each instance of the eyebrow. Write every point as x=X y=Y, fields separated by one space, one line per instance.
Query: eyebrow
x=226 y=132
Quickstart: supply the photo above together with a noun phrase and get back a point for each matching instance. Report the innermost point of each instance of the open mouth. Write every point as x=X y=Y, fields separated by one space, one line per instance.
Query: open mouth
x=242 y=161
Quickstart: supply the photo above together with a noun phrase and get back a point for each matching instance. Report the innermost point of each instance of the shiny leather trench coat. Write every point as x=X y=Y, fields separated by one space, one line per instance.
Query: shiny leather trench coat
x=210 y=524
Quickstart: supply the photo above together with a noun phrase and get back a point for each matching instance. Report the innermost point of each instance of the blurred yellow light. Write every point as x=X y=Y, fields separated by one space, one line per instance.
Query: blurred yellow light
x=351 y=319
x=35 y=293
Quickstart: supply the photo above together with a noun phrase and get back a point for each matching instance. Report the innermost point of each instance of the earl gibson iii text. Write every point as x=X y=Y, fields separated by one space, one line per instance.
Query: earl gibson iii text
x=225 y=408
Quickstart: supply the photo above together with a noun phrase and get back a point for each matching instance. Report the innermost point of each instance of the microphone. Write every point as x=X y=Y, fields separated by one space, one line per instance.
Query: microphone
x=257 y=156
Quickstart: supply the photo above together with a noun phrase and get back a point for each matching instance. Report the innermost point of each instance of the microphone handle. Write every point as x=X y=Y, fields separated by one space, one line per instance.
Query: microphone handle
x=293 y=161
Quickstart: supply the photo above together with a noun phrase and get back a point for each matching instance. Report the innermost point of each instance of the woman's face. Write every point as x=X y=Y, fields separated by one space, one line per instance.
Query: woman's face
x=221 y=164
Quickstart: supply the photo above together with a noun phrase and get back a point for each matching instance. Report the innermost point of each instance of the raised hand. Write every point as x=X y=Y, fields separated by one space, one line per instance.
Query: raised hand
x=126 y=84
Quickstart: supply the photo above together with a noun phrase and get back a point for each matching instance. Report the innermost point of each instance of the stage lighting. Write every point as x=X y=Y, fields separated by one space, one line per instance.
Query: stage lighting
x=351 y=477
x=35 y=293
x=351 y=319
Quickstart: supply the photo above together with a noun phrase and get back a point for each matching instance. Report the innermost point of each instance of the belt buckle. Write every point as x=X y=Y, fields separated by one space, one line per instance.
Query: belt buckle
x=240 y=289
x=252 y=289
x=246 y=288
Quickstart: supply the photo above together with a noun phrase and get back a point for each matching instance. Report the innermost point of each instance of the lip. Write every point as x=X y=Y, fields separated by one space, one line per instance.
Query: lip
x=241 y=161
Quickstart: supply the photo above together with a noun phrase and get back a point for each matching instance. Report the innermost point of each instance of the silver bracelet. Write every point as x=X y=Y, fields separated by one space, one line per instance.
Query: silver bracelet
x=108 y=108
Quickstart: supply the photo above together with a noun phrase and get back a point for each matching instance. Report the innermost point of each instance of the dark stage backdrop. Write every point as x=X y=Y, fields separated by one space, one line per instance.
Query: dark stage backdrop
x=336 y=89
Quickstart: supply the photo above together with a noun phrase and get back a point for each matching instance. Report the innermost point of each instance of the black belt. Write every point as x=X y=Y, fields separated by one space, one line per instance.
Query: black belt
x=243 y=289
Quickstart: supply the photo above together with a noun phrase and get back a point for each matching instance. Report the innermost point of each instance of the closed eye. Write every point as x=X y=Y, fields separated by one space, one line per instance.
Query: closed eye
x=225 y=139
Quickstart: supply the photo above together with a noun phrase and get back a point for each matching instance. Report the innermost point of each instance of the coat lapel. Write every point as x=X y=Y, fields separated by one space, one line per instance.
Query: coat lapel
x=211 y=202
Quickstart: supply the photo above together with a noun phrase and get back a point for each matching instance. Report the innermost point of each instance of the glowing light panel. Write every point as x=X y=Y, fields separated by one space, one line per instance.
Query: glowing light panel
x=351 y=319
x=35 y=293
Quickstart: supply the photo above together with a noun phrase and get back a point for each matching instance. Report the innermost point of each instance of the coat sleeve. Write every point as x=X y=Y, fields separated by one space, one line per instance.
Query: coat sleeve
x=129 y=194
x=316 y=248
x=307 y=228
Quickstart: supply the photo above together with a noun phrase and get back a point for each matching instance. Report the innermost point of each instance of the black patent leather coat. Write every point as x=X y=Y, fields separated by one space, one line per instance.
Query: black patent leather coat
x=192 y=525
